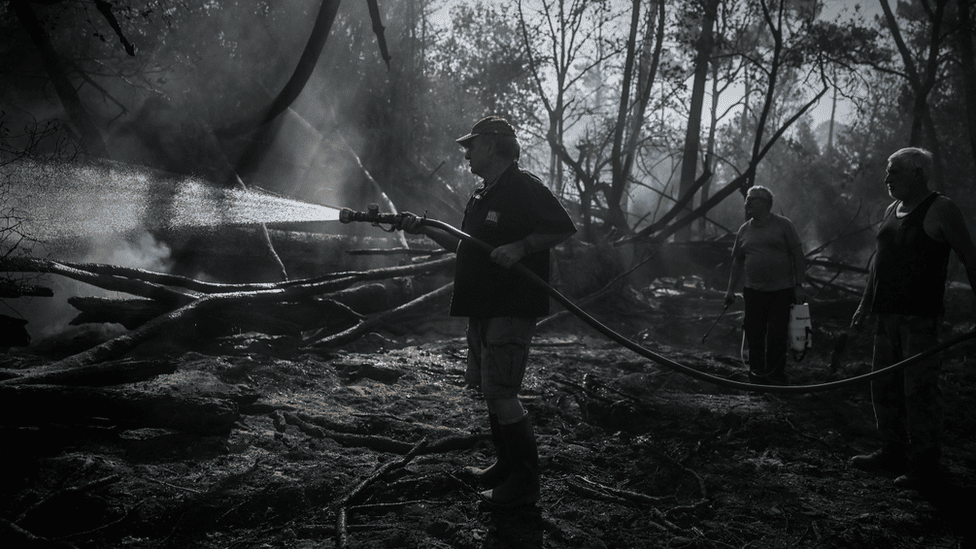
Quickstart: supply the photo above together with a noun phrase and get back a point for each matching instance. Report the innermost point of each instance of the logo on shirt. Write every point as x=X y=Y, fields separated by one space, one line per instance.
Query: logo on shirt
x=492 y=218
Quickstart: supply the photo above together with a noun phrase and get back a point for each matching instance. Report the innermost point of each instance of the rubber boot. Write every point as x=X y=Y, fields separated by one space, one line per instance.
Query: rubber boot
x=522 y=485
x=496 y=473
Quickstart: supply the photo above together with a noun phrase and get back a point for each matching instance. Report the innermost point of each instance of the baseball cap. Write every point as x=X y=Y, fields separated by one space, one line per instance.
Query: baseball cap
x=488 y=125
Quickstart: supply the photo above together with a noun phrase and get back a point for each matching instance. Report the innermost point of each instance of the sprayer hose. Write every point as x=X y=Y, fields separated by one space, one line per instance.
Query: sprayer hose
x=687 y=370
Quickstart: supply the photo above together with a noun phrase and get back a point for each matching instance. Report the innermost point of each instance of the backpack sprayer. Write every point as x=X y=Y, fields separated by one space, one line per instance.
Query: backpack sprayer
x=800 y=330
x=373 y=216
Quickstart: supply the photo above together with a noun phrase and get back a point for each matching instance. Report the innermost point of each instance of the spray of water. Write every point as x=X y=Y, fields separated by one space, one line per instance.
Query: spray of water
x=198 y=205
x=105 y=213
x=66 y=201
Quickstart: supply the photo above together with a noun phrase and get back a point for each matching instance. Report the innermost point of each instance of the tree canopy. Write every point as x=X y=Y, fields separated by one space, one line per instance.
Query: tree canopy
x=642 y=116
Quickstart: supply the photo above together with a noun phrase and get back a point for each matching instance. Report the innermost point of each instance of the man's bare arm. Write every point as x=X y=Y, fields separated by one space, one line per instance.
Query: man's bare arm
x=952 y=229
x=735 y=275
x=738 y=265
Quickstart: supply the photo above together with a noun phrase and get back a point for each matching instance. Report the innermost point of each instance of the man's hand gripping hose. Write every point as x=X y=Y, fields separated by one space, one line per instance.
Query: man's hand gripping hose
x=372 y=215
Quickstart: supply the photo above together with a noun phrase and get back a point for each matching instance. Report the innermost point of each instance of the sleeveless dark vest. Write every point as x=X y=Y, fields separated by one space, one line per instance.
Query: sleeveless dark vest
x=911 y=267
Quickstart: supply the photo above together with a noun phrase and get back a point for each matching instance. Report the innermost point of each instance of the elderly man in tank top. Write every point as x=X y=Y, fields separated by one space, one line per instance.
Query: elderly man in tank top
x=905 y=292
x=767 y=253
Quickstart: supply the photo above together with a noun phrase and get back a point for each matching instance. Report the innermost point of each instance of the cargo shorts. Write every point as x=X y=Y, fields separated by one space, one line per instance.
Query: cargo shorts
x=498 y=351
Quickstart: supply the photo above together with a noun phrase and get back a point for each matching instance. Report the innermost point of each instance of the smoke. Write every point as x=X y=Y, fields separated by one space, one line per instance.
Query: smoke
x=128 y=216
x=140 y=251
x=81 y=213
x=50 y=317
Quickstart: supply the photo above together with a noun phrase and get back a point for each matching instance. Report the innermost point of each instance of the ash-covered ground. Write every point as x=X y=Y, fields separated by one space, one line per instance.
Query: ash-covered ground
x=633 y=454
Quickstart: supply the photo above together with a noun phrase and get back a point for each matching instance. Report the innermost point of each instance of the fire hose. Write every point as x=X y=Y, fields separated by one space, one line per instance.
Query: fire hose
x=373 y=216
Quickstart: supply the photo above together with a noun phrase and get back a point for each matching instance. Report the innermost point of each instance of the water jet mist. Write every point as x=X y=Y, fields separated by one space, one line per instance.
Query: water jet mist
x=60 y=201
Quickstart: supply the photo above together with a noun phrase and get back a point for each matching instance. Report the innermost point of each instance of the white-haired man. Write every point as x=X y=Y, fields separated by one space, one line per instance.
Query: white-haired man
x=905 y=291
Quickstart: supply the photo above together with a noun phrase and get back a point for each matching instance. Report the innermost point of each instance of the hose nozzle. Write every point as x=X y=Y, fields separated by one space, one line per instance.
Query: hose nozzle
x=373 y=216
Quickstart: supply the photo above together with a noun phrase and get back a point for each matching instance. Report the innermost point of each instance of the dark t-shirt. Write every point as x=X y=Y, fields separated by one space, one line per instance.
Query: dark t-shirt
x=515 y=206
x=911 y=267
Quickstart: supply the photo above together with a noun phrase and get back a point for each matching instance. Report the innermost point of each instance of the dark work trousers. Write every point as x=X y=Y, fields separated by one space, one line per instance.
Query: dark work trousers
x=767 y=330
x=908 y=405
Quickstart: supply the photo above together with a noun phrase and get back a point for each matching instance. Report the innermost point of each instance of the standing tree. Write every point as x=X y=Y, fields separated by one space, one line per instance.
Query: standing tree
x=967 y=67
x=922 y=68
x=708 y=13
x=568 y=49
x=785 y=48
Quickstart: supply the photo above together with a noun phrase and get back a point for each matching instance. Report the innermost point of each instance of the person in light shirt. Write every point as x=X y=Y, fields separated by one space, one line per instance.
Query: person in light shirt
x=768 y=255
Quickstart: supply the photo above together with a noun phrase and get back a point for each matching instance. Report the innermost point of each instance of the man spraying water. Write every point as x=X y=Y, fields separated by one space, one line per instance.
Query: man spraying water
x=516 y=213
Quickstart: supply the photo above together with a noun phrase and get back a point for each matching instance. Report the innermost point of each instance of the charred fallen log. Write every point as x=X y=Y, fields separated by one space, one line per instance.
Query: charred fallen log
x=110 y=373
x=10 y=290
x=126 y=408
x=288 y=318
x=339 y=311
x=201 y=309
x=130 y=313
x=422 y=303
x=181 y=290
x=90 y=275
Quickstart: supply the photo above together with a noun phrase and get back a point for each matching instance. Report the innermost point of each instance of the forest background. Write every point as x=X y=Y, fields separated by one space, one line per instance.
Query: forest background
x=185 y=409
x=647 y=118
